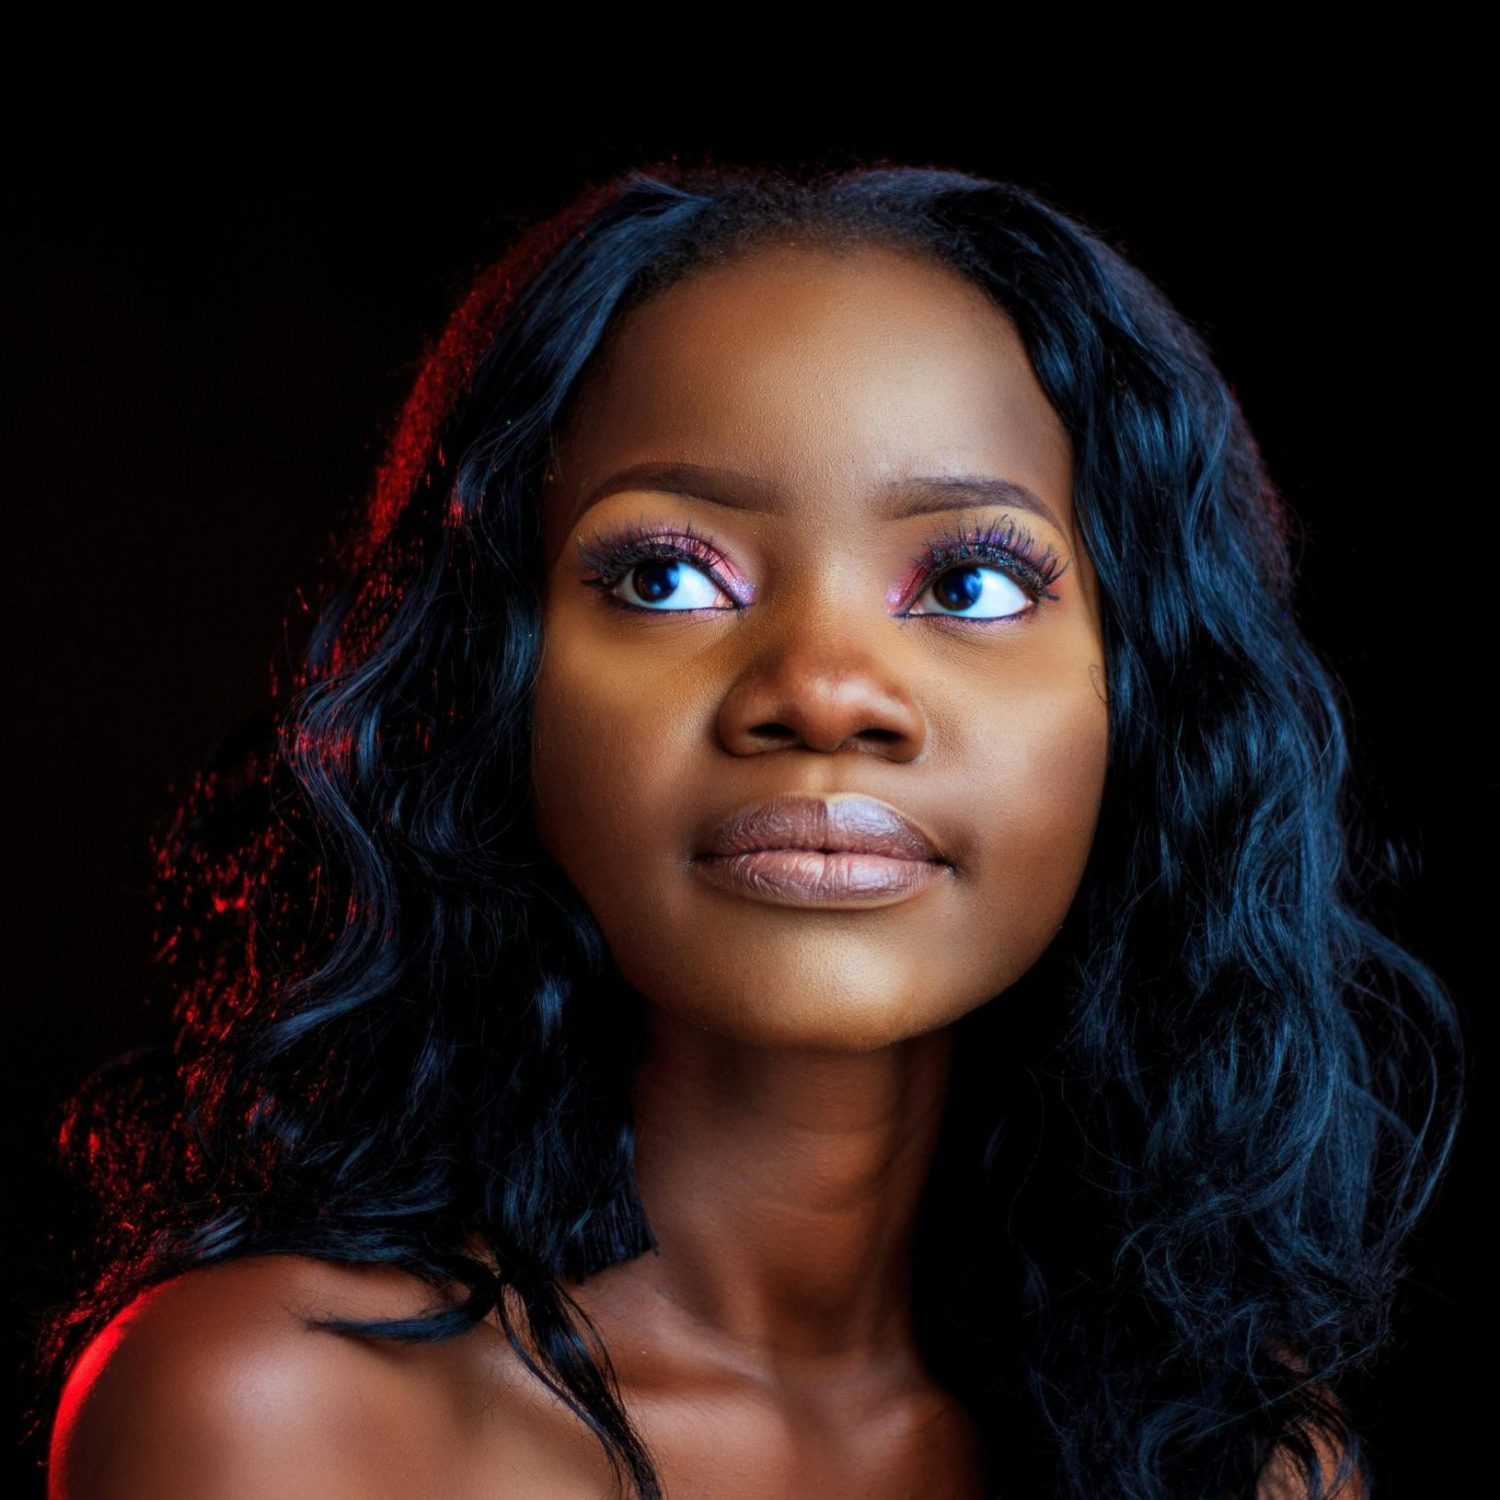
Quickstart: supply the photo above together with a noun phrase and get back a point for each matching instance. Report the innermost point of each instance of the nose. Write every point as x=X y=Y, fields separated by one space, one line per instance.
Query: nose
x=820 y=687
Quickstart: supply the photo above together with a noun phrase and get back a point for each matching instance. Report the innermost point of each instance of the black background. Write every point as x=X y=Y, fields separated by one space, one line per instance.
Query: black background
x=215 y=295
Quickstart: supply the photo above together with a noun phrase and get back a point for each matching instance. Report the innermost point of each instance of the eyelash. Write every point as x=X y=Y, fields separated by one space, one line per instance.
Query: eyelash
x=613 y=554
x=1006 y=545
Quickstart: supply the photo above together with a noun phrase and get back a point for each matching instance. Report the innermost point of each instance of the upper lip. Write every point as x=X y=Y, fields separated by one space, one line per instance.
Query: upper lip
x=836 y=823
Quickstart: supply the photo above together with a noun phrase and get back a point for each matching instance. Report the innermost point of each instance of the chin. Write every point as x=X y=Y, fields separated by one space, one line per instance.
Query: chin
x=812 y=1012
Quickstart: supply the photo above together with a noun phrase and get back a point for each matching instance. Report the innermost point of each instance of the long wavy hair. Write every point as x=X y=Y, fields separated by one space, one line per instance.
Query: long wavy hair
x=1179 y=1158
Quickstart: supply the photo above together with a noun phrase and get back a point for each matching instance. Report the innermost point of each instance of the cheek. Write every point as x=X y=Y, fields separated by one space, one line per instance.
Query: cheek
x=1034 y=826
x=606 y=742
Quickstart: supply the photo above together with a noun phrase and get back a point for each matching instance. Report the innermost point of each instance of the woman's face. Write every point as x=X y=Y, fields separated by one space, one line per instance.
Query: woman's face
x=813 y=419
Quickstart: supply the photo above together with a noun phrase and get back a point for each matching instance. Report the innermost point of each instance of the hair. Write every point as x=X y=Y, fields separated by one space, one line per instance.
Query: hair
x=1179 y=1159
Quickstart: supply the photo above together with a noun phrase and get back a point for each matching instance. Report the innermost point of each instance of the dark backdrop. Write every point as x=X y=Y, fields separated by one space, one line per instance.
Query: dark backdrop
x=214 y=297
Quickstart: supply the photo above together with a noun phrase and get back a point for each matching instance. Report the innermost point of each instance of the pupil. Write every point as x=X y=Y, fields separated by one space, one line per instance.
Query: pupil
x=958 y=589
x=656 y=586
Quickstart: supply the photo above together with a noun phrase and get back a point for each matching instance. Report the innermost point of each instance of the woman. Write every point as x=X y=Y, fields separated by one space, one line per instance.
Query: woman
x=793 y=935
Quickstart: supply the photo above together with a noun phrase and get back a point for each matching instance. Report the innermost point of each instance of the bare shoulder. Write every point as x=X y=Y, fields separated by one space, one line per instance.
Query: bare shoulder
x=215 y=1384
x=1282 y=1479
x=220 y=1384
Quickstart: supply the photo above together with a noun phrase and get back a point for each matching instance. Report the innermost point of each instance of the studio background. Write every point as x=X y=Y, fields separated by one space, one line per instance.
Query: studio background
x=215 y=298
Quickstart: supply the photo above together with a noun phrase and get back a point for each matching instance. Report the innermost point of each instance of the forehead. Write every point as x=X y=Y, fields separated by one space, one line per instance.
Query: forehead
x=813 y=367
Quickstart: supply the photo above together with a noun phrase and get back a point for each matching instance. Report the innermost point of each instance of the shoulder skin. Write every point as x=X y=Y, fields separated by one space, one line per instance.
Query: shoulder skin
x=217 y=1386
x=1282 y=1479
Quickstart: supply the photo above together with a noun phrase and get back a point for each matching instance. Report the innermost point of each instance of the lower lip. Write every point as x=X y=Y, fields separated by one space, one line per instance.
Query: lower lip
x=808 y=877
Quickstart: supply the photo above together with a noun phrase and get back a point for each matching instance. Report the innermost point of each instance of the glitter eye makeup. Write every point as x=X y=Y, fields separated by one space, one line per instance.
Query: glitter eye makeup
x=1005 y=545
x=617 y=554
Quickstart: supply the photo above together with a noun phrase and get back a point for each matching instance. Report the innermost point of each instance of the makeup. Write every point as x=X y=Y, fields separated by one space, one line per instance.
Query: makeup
x=843 y=849
x=1003 y=546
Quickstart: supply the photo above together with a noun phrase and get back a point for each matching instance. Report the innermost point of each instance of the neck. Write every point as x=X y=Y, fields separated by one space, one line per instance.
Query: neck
x=782 y=1188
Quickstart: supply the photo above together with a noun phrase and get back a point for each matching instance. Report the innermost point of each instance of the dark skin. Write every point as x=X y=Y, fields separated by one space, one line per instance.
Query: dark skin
x=788 y=1106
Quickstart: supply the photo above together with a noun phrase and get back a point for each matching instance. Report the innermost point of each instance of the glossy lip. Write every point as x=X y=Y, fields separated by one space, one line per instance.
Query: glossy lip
x=844 y=849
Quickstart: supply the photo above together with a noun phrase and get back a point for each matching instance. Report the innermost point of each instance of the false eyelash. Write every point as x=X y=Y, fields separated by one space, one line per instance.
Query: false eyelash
x=1006 y=544
x=613 y=554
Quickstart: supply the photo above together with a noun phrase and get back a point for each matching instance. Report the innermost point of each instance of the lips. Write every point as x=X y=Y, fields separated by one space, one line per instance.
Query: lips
x=829 y=825
x=837 y=851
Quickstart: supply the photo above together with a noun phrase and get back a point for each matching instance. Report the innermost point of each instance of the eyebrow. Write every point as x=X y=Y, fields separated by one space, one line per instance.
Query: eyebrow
x=910 y=497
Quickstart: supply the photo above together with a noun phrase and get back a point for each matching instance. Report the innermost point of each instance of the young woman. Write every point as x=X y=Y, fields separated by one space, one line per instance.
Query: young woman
x=794 y=934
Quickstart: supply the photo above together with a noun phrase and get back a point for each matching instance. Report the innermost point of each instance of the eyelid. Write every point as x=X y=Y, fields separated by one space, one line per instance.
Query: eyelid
x=1003 y=543
x=613 y=552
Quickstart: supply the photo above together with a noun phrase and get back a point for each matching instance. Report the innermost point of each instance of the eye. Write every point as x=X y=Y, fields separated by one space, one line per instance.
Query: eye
x=976 y=591
x=661 y=572
x=668 y=583
x=994 y=572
